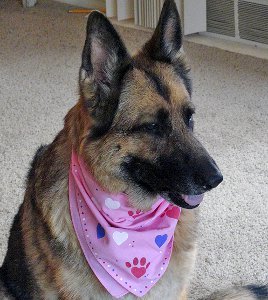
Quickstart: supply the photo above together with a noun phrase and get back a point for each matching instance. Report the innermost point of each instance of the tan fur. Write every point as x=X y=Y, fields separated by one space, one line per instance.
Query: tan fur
x=183 y=295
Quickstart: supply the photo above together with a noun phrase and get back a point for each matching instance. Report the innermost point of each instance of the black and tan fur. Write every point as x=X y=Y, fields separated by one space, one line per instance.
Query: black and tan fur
x=133 y=127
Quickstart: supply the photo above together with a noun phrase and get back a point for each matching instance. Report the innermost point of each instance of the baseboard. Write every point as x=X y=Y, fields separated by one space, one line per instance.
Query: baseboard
x=228 y=45
x=96 y=4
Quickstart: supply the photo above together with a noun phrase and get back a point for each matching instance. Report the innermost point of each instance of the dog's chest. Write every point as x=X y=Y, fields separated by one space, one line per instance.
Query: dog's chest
x=81 y=283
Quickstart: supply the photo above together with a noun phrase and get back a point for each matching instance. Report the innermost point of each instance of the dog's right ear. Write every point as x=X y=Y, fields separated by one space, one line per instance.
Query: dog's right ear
x=104 y=54
x=166 y=42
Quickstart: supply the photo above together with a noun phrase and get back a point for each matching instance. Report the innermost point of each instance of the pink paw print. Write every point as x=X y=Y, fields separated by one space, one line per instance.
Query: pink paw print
x=172 y=212
x=140 y=270
x=133 y=214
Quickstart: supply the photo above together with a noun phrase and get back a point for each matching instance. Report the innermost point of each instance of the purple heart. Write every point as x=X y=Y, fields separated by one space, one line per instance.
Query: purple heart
x=100 y=231
x=160 y=240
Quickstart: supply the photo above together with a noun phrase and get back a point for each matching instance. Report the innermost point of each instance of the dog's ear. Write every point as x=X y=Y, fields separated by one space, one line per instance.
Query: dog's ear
x=104 y=54
x=166 y=41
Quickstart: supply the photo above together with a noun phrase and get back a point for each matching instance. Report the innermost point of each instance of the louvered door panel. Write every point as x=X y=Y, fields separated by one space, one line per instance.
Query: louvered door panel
x=253 y=21
x=220 y=17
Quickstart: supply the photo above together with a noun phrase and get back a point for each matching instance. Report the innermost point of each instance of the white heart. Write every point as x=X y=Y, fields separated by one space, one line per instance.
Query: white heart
x=112 y=204
x=120 y=237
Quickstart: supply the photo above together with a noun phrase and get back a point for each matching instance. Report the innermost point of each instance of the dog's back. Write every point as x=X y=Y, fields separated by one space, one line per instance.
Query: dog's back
x=4 y=295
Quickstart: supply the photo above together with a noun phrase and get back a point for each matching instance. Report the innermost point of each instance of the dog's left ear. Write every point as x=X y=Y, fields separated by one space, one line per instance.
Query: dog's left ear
x=166 y=41
x=104 y=54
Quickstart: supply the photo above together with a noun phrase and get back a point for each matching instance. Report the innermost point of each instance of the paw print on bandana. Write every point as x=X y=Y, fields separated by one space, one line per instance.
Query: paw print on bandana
x=172 y=212
x=139 y=268
x=133 y=214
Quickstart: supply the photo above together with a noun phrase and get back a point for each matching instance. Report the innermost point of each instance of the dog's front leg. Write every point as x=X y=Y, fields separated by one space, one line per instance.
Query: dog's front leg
x=183 y=295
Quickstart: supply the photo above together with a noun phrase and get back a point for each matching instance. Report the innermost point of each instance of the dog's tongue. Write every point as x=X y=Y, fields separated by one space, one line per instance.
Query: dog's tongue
x=193 y=200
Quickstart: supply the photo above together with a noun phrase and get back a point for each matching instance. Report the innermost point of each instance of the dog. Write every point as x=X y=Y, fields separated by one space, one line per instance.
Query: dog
x=133 y=129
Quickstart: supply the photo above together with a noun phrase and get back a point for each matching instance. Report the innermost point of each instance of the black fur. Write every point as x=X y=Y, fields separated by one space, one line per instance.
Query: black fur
x=185 y=168
x=156 y=48
x=47 y=154
x=159 y=85
x=106 y=107
x=184 y=74
x=15 y=272
x=159 y=127
x=49 y=176
x=106 y=71
x=261 y=292
x=31 y=172
x=152 y=179
x=107 y=39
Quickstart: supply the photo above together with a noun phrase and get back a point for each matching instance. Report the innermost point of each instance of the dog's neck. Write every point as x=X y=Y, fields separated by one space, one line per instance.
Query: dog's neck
x=55 y=205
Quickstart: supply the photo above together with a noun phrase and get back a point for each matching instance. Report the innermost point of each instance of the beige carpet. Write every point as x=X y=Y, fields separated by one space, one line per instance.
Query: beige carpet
x=40 y=52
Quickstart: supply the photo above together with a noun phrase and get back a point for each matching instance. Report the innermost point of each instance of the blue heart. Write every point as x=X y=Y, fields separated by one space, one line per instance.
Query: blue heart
x=100 y=231
x=160 y=240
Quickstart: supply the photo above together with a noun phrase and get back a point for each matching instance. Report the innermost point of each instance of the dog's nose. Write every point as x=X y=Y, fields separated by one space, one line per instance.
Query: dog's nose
x=213 y=181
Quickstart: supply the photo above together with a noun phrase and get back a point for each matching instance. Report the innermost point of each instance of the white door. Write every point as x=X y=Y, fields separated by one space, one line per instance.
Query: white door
x=122 y=9
x=125 y=9
x=195 y=16
x=111 y=8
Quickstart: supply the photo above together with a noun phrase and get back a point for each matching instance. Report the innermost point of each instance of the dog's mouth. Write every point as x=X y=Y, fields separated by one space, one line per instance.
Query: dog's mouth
x=193 y=200
x=184 y=201
x=172 y=181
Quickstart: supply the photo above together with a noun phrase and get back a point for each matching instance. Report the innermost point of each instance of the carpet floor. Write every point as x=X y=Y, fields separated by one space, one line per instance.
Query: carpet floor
x=40 y=50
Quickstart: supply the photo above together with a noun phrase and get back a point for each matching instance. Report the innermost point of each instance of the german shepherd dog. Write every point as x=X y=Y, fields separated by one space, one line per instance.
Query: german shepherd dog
x=133 y=126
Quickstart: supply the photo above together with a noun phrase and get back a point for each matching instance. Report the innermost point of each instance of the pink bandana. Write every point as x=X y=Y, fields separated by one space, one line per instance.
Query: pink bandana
x=127 y=249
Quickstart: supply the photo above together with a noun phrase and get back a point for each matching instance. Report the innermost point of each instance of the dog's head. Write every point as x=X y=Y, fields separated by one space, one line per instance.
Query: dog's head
x=137 y=117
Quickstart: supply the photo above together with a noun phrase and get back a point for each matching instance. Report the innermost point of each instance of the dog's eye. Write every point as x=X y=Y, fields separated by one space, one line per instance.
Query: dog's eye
x=188 y=117
x=151 y=127
x=191 y=122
